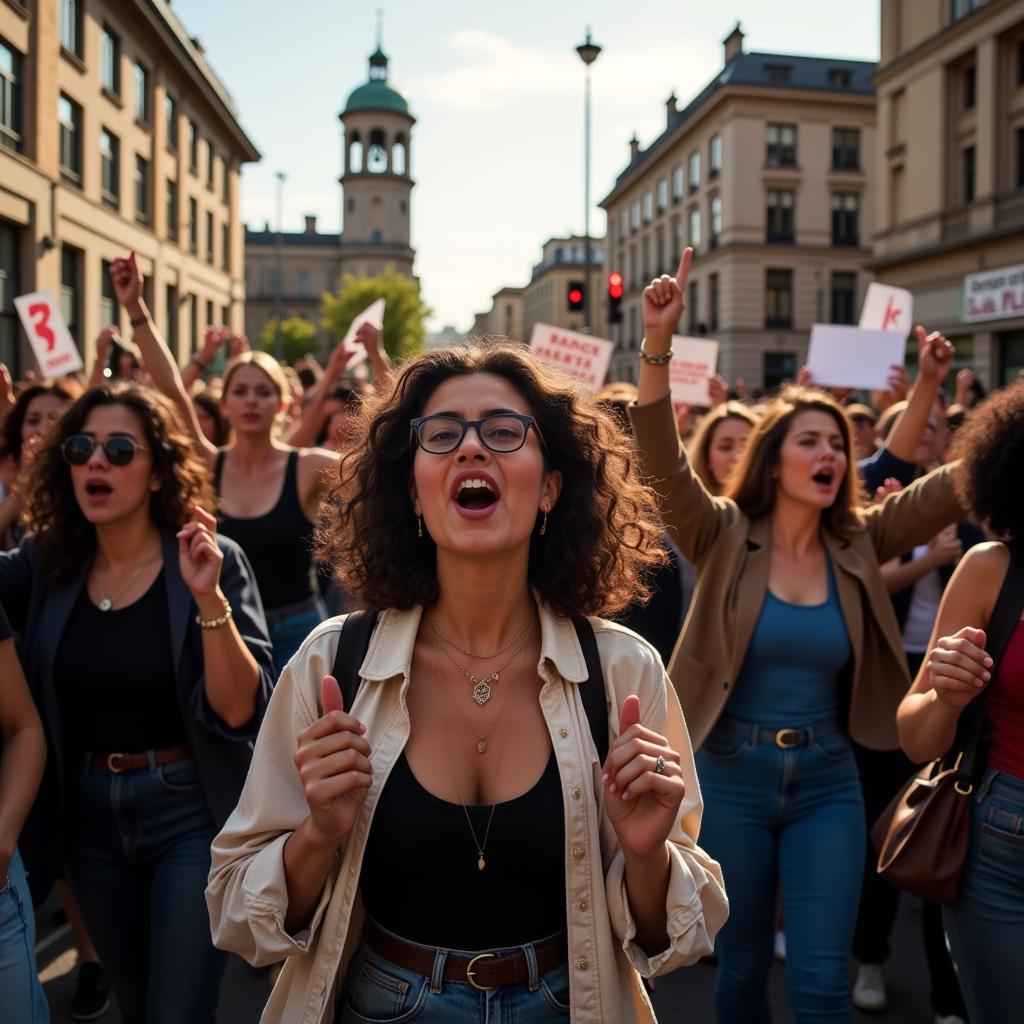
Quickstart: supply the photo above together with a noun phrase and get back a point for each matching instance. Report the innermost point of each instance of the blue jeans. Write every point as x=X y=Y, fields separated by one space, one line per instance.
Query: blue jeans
x=290 y=625
x=792 y=817
x=138 y=859
x=377 y=991
x=21 y=995
x=985 y=926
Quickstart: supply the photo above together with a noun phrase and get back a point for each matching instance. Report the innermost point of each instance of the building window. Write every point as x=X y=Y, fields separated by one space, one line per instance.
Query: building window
x=645 y=259
x=695 y=229
x=171 y=329
x=692 y=319
x=10 y=286
x=1020 y=157
x=844 y=297
x=677 y=182
x=110 y=61
x=193 y=147
x=1011 y=357
x=69 y=117
x=211 y=157
x=209 y=238
x=70 y=294
x=209 y=312
x=694 y=170
x=634 y=215
x=225 y=181
x=171 y=117
x=662 y=195
x=779 y=367
x=715 y=221
x=968 y=173
x=193 y=227
x=109 y=313
x=648 y=206
x=969 y=85
x=845 y=226
x=623 y=221
x=376 y=238
x=715 y=156
x=780 y=142
x=10 y=98
x=110 y=169
x=779 y=74
x=778 y=298
x=141 y=80
x=845 y=149
x=840 y=78
x=1020 y=62
x=141 y=189
x=961 y=8
x=713 y=302
x=172 y=210
x=678 y=243
x=780 y=216
x=71 y=26
x=225 y=246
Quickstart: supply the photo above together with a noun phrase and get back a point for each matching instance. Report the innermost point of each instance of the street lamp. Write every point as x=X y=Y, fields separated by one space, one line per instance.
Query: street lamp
x=589 y=52
x=280 y=265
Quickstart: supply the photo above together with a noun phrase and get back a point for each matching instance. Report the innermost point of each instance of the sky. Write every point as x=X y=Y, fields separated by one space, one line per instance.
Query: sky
x=497 y=91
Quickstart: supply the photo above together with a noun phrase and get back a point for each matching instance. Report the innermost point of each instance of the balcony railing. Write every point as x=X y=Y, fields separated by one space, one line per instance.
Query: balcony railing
x=956 y=223
x=1009 y=208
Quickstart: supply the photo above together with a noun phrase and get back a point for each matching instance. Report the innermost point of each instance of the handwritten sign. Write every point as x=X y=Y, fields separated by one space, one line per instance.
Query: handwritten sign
x=48 y=334
x=994 y=294
x=887 y=309
x=580 y=355
x=849 y=357
x=373 y=314
x=692 y=366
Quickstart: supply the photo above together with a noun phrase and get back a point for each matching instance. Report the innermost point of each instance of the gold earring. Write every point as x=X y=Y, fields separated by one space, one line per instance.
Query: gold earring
x=419 y=527
x=544 y=525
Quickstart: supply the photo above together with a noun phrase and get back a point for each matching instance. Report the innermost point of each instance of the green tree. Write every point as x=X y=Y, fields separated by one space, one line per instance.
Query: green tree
x=405 y=312
x=298 y=338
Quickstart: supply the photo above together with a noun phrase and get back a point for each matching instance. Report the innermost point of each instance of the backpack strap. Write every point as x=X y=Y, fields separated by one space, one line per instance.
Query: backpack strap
x=353 y=643
x=592 y=691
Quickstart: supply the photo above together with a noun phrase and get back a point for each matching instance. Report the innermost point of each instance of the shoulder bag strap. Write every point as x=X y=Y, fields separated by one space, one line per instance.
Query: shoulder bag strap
x=353 y=643
x=592 y=691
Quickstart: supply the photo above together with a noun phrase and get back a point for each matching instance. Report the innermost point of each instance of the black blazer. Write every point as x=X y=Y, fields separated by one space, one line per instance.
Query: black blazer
x=39 y=614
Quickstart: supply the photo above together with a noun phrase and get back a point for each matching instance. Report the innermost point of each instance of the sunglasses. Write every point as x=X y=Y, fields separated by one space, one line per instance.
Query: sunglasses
x=118 y=449
x=502 y=433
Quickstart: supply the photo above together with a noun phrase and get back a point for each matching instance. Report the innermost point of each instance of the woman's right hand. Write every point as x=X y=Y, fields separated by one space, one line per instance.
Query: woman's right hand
x=959 y=668
x=127 y=280
x=334 y=764
x=665 y=300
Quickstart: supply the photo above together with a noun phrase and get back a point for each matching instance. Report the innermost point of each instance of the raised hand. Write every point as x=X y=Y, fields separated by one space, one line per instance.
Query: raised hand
x=341 y=356
x=104 y=340
x=6 y=391
x=333 y=759
x=936 y=355
x=959 y=668
x=127 y=281
x=718 y=390
x=945 y=547
x=665 y=300
x=888 y=486
x=369 y=335
x=641 y=803
x=964 y=383
x=199 y=557
x=237 y=344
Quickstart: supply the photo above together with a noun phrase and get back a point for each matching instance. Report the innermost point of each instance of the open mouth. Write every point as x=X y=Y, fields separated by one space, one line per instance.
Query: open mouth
x=98 y=489
x=475 y=494
x=824 y=478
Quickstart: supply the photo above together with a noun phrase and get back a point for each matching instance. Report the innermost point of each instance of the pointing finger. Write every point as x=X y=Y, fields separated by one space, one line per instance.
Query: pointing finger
x=684 y=268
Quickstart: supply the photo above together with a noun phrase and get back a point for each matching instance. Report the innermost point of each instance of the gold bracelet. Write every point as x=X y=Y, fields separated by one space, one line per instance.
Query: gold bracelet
x=215 y=623
x=661 y=360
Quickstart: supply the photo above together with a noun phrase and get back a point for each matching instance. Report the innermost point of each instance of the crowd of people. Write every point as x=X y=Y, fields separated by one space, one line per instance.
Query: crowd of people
x=628 y=685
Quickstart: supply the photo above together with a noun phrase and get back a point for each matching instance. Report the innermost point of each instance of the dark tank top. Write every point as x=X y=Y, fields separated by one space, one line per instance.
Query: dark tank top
x=279 y=544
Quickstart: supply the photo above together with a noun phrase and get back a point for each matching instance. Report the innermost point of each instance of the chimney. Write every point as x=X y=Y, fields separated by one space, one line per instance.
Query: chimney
x=634 y=147
x=671 y=109
x=310 y=224
x=197 y=43
x=733 y=43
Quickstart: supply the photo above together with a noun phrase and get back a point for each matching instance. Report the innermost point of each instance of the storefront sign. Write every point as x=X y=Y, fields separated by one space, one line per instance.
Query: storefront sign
x=994 y=294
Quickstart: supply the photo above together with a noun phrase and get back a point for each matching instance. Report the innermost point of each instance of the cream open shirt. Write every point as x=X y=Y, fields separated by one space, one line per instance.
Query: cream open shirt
x=247 y=894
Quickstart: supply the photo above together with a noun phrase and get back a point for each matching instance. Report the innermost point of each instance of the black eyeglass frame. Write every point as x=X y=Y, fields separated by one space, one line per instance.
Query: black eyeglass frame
x=416 y=424
x=135 y=448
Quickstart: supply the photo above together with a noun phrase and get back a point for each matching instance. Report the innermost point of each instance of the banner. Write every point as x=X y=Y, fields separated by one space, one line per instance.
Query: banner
x=849 y=357
x=48 y=334
x=580 y=355
x=994 y=294
x=692 y=366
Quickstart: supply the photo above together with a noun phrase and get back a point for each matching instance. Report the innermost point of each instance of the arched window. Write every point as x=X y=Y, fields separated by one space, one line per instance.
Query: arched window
x=376 y=238
x=377 y=154
x=398 y=156
x=355 y=154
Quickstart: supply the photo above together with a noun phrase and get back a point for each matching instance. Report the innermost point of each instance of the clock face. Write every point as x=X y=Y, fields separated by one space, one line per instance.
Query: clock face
x=377 y=159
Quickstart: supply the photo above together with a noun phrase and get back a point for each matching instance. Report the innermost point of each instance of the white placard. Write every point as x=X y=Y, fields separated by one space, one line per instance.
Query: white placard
x=850 y=357
x=994 y=294
x=887 y=309
x=692 y=366
x=48 y=333
x=580 y=355
x=373 y=314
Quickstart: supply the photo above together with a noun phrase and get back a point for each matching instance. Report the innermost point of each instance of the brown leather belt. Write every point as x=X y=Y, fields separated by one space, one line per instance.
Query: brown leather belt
x=484 y=971
x=130 y=762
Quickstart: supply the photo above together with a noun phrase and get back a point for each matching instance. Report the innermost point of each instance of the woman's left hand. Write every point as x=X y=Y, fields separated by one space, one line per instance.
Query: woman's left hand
x=641 y=803
x=198 y=555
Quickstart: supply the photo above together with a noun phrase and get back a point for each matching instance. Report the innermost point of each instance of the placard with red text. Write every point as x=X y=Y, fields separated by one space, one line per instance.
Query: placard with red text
x=48 y=333
x=887 y=309
x=692 y=366
x=580 y=355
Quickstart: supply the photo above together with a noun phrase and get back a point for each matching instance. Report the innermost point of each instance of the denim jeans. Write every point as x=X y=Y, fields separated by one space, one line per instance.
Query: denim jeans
x=139 y=856
x=21 y=995
x=985 y=925
x=377 y=991
x=289 y=626
x=793 y=817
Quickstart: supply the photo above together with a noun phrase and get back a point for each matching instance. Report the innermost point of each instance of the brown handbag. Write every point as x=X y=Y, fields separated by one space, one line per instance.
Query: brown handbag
x=923 y=836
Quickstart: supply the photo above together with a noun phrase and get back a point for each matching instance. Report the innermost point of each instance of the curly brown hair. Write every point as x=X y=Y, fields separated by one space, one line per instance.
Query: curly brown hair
x=10 y=428
x=754 y=485
x=602 y=539
x=63 y=534
x=991 y=445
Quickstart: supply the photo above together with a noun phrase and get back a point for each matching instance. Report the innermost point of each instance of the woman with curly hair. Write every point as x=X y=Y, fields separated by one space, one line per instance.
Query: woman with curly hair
x=985 y=926
x=790 y=650
x=451 y=847
x=144 y=641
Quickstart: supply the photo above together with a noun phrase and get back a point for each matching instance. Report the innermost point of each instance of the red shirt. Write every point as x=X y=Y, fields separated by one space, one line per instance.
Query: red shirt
x=1005 y=707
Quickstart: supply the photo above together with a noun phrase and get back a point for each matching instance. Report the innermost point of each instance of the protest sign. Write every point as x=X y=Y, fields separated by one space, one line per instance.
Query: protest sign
x=887 y=309
x=580 y=355
x=692 y=366
x=851 y=357
x=48 y=334
x=373 y=314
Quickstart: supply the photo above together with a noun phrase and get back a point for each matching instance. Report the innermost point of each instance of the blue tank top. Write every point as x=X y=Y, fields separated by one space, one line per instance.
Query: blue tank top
x=790 y=675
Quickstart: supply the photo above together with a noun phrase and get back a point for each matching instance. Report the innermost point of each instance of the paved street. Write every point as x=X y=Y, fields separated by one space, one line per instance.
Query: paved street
x=687 y=995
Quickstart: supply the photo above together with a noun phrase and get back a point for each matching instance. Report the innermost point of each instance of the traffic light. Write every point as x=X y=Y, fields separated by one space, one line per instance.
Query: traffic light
x=574 y=295
x=615 y=293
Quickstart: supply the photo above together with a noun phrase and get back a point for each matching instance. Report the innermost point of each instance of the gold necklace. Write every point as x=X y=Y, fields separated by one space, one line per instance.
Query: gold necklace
x=480 y=657
x=482 y=687
x=107 y=603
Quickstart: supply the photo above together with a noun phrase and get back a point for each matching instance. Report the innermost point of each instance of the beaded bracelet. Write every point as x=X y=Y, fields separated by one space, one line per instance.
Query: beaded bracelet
x=661 y=360
x=138 y=321
x=214 y=623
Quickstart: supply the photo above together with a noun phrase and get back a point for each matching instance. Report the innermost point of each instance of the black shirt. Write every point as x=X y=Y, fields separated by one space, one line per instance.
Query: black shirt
x=420 y=878
x=5 y=627
x=114 y=674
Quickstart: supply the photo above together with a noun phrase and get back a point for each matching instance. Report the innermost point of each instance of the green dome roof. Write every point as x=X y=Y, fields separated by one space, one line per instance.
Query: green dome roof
x=376 y=95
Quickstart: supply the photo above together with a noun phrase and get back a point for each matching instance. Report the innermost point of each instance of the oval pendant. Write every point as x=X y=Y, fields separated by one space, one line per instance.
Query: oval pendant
x=106 y=604
x=481 y=863
x=481 y=745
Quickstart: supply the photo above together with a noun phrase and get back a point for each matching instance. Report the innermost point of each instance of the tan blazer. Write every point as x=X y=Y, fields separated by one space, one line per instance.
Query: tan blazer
x=732 y=556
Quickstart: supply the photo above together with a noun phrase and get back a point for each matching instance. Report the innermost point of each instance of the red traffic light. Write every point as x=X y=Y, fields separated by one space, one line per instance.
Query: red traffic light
x=575 y=295
x=615 y=288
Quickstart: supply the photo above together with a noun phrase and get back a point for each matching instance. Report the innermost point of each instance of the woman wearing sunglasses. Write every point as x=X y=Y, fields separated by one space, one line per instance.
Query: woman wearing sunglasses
x=144 y=641
x=268 y=492
x=450 y=847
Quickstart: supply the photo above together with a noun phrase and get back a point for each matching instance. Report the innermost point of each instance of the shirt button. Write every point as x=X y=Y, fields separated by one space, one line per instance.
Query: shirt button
x=583 y=965
x=563 y=732
x=584 y=905
x=578 y=852
x=576 y=792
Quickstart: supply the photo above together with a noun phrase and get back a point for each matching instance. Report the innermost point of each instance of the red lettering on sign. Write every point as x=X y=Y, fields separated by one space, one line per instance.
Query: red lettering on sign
x=42 y=325
x=891 y=315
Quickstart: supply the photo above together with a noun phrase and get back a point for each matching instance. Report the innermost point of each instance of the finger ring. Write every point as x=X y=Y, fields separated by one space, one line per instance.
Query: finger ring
x=659 y=766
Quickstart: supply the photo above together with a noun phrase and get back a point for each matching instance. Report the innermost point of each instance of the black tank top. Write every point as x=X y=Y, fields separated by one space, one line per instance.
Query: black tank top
x=279 y=544
x=420 y=878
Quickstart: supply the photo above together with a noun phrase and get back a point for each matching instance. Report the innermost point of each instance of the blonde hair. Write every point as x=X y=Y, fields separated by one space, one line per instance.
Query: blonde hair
x=262 y=361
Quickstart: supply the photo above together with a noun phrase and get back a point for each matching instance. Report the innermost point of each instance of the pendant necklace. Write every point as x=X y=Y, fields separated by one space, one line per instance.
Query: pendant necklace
x=482 y=687
x=107 y=603
x=480 y=657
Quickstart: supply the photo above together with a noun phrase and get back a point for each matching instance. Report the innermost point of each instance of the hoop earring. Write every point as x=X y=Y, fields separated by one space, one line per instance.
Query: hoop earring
x=419 y=527
x=544 y=525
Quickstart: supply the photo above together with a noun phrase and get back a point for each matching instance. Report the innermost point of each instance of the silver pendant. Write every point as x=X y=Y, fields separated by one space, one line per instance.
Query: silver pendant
x=106 y=604
x=482 y=692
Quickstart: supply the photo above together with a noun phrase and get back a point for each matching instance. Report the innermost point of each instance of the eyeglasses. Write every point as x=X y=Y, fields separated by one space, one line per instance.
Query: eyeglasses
x=118 y=449
x=502 y=433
